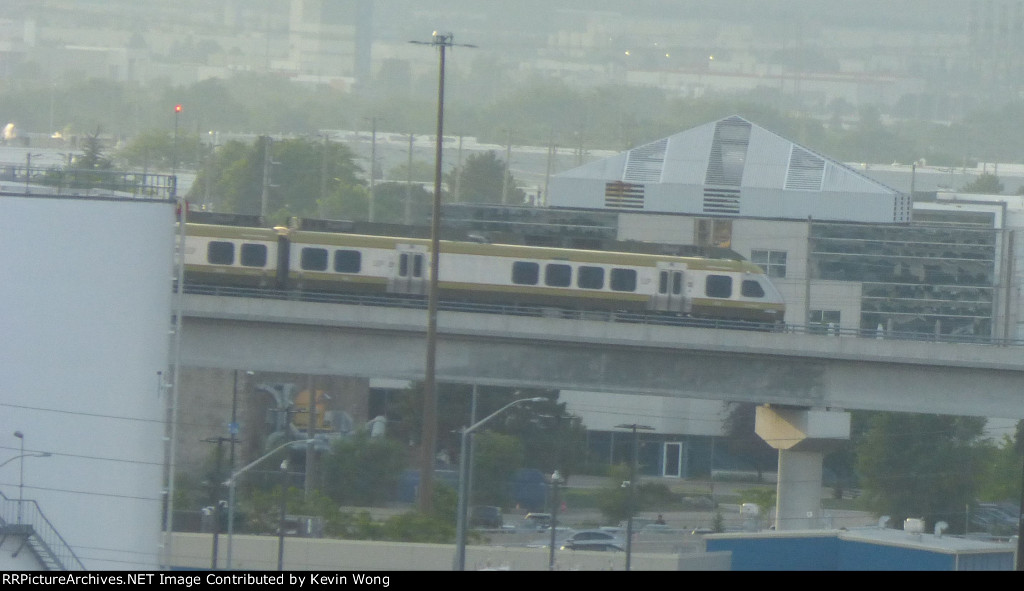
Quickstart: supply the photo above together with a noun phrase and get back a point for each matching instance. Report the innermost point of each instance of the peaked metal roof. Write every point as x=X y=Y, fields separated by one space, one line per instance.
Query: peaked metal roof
x=730 y=152
x=729 y=167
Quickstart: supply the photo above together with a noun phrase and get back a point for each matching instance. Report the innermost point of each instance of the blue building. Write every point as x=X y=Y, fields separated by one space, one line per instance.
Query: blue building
x=860 y=549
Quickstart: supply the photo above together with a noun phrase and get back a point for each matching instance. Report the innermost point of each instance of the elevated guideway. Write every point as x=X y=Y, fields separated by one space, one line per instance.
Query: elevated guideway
x=359 y=337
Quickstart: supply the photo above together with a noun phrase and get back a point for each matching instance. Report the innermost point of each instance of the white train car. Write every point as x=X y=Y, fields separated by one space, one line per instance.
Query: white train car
x=498 y=273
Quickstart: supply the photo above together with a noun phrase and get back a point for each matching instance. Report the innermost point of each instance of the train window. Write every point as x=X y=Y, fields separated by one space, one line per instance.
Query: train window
x=623 y=280
x=751 y=289
x=663 y=282
x=403 y=265
x=718 y=286
x=677 y=283
x=220 y=253
x=417 y=265
x=348 y=261
x=558 y=275
x=590 y=277
x=314 y=259
x=254 y=255
x=524 y=273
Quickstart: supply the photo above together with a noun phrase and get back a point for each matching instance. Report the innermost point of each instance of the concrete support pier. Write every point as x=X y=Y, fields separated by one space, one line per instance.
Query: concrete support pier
x=802 y=436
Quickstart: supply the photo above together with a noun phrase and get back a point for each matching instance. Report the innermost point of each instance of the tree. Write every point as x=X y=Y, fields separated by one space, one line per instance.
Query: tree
x=917 y=465
x=495 y=458
x=92 y=157
x=985 y=184
x=483 y=178
x=363 y=470
x=389 y=202
x=307 y=179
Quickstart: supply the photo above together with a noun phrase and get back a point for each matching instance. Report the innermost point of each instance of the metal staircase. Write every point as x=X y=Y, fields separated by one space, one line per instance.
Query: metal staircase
x=22 y=519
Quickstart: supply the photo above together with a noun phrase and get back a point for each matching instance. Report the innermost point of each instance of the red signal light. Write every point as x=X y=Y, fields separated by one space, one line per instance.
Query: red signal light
x=177 y=108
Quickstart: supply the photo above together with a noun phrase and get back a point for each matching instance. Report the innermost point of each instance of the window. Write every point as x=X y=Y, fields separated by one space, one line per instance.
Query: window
x=314 y=259
x=558 y=275
x=677 y=283
x=348 y=261
x=713 y=232
x=623 y=280
x=590 y=277
x=524 y=273
x=823 y=321
x=254 y=255
x=751 y=289
x=718 y=286
x=220 y=253
x=772 y=261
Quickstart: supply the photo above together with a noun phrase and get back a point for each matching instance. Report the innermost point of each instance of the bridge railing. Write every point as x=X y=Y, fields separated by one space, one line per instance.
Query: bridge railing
x=412 y=302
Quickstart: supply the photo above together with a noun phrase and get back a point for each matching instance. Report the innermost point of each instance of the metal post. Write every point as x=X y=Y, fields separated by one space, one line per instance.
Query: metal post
x=280 y=526
x=21 y=474
x=556 y=480
x=460 y=518
x=426 y=491
x=233 y=431
x=1020 y=527
x=632 y=487
x=373 y=168
x=231 y=482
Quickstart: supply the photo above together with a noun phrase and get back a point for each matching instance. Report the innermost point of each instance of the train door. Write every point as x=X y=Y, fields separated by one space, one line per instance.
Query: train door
x=670 y=292
x=410 y=270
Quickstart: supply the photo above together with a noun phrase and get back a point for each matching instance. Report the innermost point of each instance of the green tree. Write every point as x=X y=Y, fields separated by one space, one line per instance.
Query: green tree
x=495 y=458
x=1001 y=479
x=148 y=150
x=986 y=184
x=613 y=499
x=917 y=465
x=482 y=179
x=307 y=179
x=389 y=203
x=93 y=156
x=362 y=470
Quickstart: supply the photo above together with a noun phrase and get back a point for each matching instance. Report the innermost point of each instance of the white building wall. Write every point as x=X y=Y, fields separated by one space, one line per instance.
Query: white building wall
x=602 y=411
x=85 y=307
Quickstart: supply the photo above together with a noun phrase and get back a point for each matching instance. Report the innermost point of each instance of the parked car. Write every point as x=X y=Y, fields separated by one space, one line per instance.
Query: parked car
x=487 y=516
x=594 y=546
x=592 y=536
x=537 y=521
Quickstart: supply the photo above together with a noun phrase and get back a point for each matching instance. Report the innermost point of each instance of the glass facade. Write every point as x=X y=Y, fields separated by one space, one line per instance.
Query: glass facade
x=936 y=276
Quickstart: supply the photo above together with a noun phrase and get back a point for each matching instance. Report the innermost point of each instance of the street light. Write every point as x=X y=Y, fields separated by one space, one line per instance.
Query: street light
x=230 y=482
x=556 y=481
x=460 y=520
x=233 y=431
x=442 y=42
x=20 y=479
x=632 y=487
x=280 y=526
x=216 y=501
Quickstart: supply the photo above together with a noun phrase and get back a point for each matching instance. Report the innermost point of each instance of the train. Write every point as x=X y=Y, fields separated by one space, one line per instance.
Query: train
x=594 y=280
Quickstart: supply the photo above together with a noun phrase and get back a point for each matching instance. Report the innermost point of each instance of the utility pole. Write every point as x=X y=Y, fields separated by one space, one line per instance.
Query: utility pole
x=323 y=180
x=426 y=491
x=508 y=170
x=407 y=218
x=268 y=143
x=373 y=167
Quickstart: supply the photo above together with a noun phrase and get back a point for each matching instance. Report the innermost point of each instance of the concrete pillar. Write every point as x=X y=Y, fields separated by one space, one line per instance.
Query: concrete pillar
x=802 y=436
